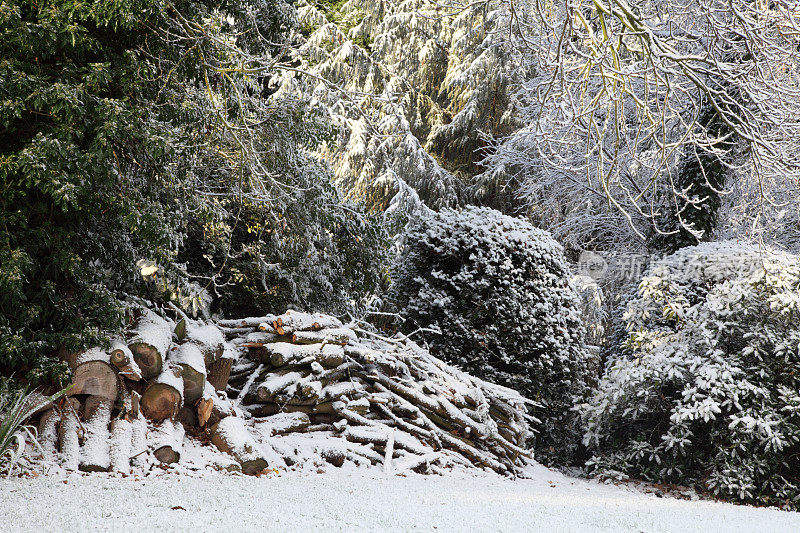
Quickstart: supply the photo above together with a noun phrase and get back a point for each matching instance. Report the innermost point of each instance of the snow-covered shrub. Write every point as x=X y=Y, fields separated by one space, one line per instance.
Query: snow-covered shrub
x=497 y=289
x=706 y=391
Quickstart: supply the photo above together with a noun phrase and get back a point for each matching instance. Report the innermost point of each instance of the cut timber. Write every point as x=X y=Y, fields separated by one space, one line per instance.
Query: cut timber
x=138 y=441
x=230 y=435
x=205 y=407
x=187 y=416
x=48 y=433
x=96 y=378
x=136 y=400
x=163 y=399
x=281 y=353
x=247 y=322
x=68 y=434
x=190 y=359
x=167 y=439
x=122 y=358
x=152 y=336
x=293 y=321
x=96 y=453
x=333 y=336
x=121 y=442
x=209 y=339
x=219 y=372
x=283 y=423
x=92 y=404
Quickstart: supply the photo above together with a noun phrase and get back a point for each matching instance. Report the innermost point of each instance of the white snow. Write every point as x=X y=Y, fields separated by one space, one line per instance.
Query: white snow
x=358 y=500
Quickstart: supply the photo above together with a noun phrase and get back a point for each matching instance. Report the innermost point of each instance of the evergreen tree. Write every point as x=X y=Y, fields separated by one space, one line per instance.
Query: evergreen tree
x=494 y=297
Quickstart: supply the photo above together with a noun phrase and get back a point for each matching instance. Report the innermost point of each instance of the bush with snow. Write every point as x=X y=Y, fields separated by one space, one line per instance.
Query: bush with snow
x=497 y=290
x=707 y=389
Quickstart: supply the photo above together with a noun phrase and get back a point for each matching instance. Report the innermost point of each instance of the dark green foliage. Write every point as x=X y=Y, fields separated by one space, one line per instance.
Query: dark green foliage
x=129 y=131
x=497 y=289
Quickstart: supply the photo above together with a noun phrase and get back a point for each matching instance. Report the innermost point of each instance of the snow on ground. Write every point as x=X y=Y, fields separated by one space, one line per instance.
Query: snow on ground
x=358 y=500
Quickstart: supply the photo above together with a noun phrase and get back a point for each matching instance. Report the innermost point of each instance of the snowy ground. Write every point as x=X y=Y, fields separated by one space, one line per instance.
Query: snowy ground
x=360 y=500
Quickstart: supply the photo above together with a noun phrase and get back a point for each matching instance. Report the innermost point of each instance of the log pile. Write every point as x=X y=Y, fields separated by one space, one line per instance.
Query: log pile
x=280 y=391
x=388 y=395
x=126 y=403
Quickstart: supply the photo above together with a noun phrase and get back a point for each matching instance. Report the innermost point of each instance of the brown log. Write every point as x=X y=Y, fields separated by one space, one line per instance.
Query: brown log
x=281 y=353
x=188 y=417
x=209 y=339
x=121 y=442
x=293 y=321
x=190 y=359
x=136 y=399
x=219 y=373
x=122 y=358
x=246 y=322
x=152 y=337
x=95 y=378
x=161 y=401
x=339 y=336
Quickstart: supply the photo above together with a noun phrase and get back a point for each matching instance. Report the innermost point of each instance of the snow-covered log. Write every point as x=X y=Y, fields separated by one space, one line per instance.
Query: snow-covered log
x=151 y=339
x=95 y=452
x=122 y=358
x=167 y=441
x=232 y=436
x=189 y=357
x=164 y=397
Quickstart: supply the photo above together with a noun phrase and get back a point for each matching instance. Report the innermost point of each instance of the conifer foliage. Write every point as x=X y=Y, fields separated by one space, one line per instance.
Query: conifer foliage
x=493 y=295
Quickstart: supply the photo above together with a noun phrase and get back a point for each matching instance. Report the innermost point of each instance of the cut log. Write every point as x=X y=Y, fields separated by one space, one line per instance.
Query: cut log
x=190 y=359
x=339 y=336
x=48 y=433
x=138 y=442
x=167 y=439
x=246 y=322
x=281 y=353
x=180 y=330
x=230 y=435
x=219 y=373
x=96 y=378
x=152 y=337
x=122 y=358
x=275 y=383
x=136 y=400
x=293 y=321
x=163 y=398
x=121 y=445
x=282 y=423
x=92 y=404
x=69 y=434
x=209 y=339
x=96 y=453
x=187 y=416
